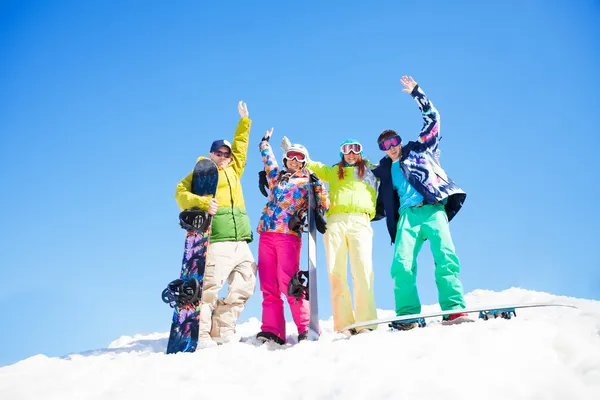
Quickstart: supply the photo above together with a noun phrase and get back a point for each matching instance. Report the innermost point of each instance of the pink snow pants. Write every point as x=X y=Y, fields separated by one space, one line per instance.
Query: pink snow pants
x=278 y=261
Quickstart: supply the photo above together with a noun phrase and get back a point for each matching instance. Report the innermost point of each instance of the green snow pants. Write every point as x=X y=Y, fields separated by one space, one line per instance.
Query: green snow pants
x=414 y=226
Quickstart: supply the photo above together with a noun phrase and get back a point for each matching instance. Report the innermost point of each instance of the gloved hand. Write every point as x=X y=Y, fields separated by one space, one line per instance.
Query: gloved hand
x=263 y=184
x=313 y=178
x=296 y=222
x=285 y=144
x=320 y=222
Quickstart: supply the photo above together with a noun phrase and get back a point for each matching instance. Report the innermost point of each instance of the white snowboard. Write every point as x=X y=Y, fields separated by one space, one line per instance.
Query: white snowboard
x=441 y=313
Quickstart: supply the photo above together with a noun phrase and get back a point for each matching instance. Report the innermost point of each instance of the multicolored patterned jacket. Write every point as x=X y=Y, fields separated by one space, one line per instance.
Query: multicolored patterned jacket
x=287 y=193
x=420 y=165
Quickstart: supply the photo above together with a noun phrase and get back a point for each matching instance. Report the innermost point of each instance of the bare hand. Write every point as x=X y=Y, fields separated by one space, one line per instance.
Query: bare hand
x=409 y=83
x=213 y=206
x=269 y=133
x=243 y=109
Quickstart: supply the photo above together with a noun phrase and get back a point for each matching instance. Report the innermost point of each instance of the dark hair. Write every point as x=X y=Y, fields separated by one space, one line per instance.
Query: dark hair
x=360 y=164
x=388 y=133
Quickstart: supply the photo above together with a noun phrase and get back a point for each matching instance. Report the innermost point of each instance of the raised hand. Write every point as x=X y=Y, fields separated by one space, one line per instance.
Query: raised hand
x=409 y=83
x=285 y=143
x=268 y=134
x=243 y=109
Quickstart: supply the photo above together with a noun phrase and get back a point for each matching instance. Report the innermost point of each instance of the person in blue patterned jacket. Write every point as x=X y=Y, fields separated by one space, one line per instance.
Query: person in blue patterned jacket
x=419 y=200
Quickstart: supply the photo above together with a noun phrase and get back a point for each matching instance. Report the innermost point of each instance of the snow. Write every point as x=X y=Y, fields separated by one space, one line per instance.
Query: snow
x=544 y=353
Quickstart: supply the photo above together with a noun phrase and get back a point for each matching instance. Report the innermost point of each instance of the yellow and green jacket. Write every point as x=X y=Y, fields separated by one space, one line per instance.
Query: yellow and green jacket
x=350 y=195
x=231 y=222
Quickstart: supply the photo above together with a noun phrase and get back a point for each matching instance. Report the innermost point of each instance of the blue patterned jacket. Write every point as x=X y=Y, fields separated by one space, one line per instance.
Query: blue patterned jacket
x=420 y=165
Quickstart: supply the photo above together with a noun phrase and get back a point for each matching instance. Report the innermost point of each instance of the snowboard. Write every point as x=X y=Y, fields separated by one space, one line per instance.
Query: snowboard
x=183 y=336
x=314 y=331
x=484 y=312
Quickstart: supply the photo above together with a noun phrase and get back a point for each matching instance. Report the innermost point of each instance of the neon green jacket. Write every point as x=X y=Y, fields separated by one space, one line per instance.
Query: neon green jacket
x=350 y=195
x=231 y=222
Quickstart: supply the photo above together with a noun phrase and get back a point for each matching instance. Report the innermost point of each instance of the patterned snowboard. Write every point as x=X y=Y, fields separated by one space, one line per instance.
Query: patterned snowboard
x=186 y=318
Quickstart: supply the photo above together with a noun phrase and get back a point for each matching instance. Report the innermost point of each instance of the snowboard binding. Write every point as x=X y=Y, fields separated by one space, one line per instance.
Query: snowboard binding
x=406 y=325
x=180 y=293
x=298 y=285
x=194 y=220
x=506 y=313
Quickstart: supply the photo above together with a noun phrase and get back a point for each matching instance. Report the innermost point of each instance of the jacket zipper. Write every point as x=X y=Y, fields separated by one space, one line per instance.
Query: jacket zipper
x=232 y=213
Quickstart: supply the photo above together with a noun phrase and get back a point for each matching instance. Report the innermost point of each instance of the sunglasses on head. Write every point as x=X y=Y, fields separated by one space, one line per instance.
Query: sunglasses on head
x=348 y=148
x=295 y=155
x=220 y=153
x=389 y=143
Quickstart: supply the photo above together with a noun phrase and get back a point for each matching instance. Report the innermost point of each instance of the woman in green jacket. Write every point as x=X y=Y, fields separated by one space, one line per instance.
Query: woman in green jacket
x=353 y=197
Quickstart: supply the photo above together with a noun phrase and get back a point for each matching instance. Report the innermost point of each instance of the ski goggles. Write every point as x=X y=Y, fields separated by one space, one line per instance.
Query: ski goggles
x=220 y=153
x=348 y=148
x=389 y=143
x=295 y=155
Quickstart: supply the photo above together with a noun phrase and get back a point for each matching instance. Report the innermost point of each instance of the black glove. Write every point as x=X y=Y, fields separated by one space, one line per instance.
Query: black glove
x=320 y=222
x=263 y=184
x=314 y=178
x=296 y=222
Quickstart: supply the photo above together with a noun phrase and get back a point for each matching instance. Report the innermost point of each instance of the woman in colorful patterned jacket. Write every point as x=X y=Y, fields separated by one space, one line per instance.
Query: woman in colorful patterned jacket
x=353 y=193
x=280 y=242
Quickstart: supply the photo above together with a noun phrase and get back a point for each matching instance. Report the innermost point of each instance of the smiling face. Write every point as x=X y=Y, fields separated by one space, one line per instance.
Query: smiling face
x=294 y=165
x=394 y=152
x=351 y=158
x=221 y=157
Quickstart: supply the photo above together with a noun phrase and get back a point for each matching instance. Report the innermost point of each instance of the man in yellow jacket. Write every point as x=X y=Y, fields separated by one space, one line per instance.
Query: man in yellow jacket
x=229 y=257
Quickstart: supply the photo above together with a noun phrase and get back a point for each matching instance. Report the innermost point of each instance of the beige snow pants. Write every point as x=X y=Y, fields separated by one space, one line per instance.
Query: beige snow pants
x=230 y=262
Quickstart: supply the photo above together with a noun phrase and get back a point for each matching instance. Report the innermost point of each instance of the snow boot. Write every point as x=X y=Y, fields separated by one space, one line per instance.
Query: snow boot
x=269 y=337
x=455 y=319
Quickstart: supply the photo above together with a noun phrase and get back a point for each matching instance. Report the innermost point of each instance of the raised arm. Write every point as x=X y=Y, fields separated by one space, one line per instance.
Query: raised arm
x=320 y=169
x=430 y=132
x=239 y=147
x=269 y=160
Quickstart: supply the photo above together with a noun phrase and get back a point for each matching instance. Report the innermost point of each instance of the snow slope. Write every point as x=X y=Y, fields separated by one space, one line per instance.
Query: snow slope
x=549 y=353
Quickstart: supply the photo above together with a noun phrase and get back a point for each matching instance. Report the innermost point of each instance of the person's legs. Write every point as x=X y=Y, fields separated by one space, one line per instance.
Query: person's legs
x=219 y=263
x=447 y=267
x=360 y=245
x=336 y=250
x=289 y=264
x=241 y=284
x=273 y=319
x=404 y=265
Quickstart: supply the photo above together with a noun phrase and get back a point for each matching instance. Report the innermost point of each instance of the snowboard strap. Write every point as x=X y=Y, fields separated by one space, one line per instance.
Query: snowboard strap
x=194 y=220
x=180 y=292
x=506 y=313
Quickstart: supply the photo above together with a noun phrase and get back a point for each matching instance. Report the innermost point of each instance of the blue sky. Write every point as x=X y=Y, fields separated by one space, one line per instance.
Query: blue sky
x=105 y=105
